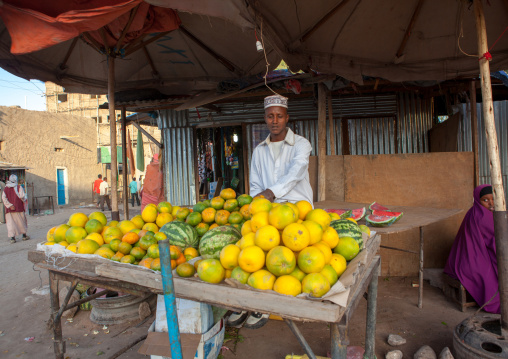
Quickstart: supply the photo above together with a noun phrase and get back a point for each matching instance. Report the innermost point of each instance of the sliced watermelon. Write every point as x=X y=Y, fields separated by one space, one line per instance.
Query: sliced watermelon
x=343 y=213
x=398 y=215
x=377 y=207
x=380 y=221
x=358 y=213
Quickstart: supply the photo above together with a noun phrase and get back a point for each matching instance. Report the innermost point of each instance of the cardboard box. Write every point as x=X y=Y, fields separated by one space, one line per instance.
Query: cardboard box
x=208 y=345
x=193 y=317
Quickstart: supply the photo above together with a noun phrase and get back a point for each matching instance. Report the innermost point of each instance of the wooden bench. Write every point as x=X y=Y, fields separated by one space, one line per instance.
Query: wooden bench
x=455 y=291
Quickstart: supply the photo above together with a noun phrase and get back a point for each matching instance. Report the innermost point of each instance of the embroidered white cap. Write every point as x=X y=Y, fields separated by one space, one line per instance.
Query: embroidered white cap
x=276 y=100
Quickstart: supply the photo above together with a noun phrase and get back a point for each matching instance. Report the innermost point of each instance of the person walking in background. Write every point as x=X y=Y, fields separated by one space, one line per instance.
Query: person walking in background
x=15 y=201
x=2 y=207
x=104 y=194
x=96 y=188
x=134 y=191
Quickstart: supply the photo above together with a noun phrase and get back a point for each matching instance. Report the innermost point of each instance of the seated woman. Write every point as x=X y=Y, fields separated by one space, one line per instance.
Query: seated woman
x=472 y=258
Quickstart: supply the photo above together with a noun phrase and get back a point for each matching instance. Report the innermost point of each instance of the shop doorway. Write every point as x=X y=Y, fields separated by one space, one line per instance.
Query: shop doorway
x=61 y=188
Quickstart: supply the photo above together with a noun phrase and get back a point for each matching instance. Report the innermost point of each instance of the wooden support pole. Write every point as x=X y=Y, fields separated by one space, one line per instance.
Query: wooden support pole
x=488 y=110
x=332 y=124
x=115 y=215
x=321 y=142
x=409 y=28
x=125 y=171
x=144 y=132
x=58 y=341
x=474 y=132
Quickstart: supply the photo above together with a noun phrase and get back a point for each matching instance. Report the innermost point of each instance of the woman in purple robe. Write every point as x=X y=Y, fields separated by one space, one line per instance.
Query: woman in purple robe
x=472 y=258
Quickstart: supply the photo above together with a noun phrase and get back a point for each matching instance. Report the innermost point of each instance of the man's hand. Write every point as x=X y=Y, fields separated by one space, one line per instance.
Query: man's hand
x=268 y=194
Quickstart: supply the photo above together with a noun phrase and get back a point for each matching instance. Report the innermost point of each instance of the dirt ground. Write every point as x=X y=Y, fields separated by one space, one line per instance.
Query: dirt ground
x=24 y=299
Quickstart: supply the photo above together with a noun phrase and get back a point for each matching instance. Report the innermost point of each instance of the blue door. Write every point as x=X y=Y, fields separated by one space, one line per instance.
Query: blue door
x=60 y=186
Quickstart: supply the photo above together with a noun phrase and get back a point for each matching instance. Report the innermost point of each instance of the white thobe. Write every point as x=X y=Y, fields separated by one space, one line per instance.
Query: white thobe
x=287 y=176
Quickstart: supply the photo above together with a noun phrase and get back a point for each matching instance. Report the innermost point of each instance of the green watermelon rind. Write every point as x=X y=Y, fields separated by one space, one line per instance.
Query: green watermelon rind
x=383 y=223
x=181 y=234
x=363 y=213
x=346 y=228
x=346 y=214
x=217 y=238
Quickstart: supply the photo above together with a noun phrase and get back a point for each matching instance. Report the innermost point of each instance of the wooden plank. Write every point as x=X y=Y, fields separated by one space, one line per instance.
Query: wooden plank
x=125 y=169
x=150 y=137
x=321 y=142
x=474 y=132
x=332 y=125
x=409 y=28
x=245 y=153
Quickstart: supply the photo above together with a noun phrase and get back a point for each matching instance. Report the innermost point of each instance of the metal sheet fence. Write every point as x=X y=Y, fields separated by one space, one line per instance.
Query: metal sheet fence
x=179 y=149
x=465 y=139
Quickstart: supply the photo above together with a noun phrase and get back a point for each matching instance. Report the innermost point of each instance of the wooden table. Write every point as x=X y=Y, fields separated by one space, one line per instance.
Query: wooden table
x=138 y=280
x=413 y=217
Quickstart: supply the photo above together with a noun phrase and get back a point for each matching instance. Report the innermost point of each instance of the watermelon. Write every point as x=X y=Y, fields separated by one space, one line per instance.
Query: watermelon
x=341 y=212
x=397 y=215
x=346 y=228
x=380 y=220
x=217 y=238
x=377 y=207
x=181 y=234
x=358 y=214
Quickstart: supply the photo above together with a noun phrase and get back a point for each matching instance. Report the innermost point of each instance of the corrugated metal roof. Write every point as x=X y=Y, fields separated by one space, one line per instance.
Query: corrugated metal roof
x=11 y=166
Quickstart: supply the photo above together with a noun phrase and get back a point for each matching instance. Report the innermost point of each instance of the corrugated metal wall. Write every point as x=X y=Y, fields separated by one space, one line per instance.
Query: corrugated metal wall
x=178 y=157
x=465 y=139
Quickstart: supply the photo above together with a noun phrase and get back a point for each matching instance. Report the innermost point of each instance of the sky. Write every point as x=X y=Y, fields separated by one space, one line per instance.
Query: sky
x=15 y=91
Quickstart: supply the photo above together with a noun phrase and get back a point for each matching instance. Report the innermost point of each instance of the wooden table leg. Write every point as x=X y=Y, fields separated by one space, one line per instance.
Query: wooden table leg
x=420 y=274
x=301 y=338
x=370 y=334
x=338 y=340
x=58 y=342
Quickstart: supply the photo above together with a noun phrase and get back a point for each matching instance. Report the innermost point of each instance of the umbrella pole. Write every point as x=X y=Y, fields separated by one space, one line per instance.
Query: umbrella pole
x=500 y=214
x=125 y=173
x=115 y=216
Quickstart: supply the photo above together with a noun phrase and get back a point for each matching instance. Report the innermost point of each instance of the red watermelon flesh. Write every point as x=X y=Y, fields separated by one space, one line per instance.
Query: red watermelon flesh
x=380 y=221
x=358 y=213
x=386 y=213
x=338 y=211
x=377 y=207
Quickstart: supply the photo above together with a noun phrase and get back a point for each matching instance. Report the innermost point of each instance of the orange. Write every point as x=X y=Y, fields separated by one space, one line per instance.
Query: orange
x=228 y=273
x=59 y=233
x=128 y=259
x=244 y=199
x=338 y=263
x=185 y=270
x=294 y=208
x=304 y=208
x=103 y=252
x=231 y=205
x=117 y=257
x=240 y=275
x=217 y=203
x=113 y=245
x=247 y=240
x=153 y=251
x=88 y=246
x=298 y=274
x=70 y=247
x=78 y=220
x=296 y=237
x=287 y=285
x=251 y=259
x=259 y=196
x=229 y=256
x=315 y=284
x=334 y=216
x=315 y=230
x=244 y=211
x=112 y=233
x=235 y=218
x=155 y=264
x=260 y=205
x=151 y=227
x=165 y=207
x=146 y=241
x=365 y=229
x=212 y=226
x=49 y=235
x=126 y=226
x=160 y=236
x=208 y=215
x=104 y=230
x=96 y=237
x=330 y=274
x=261 y=279
x=138 y=221
x=138 y=253
x=113 y=223
x=101 y=217
x=130 y=238
x=196 y=263
x=202 y=228
x=330 y=237
x=173 y=264
x=93 y=226
x=194 y=218
x=74 y=235
x=311 y=260
x=193 y=252
x=63 y=244
x=282 y=216
x=211 y=271
x=49 y=243
x=267 y=237
x=174 y=210
x=124 y=248
x=347 y=247
x=228 y=193
x=174 y=252
x=181 y=259
x=221 y=217
x=259 y=220
x=246 y=228
x=146 y=262
x=327 y=252
x=320 y=216
x=149 y=214
x=280 y=261
x=142 y=232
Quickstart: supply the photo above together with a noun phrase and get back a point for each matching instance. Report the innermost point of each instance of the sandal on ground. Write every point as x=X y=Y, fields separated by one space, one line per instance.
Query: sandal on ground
x=26 y=238
x=236 y=319
x=256 y=320
x=13 y=240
